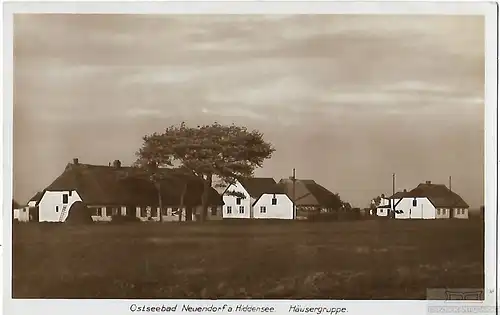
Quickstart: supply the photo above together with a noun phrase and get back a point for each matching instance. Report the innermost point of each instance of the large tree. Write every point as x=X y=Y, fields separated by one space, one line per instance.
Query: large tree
x=228 y=152
x=161 y=178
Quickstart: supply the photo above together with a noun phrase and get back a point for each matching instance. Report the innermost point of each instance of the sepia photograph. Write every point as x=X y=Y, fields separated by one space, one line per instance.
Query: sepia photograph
x=248 y=156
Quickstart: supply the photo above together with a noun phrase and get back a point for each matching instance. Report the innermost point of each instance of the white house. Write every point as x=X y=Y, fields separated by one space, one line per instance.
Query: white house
x=383 y=206
x=273 y=206
x=256 y=198
x=114 y=191
x=19 y=212
x=429 y=201
x=54 y=206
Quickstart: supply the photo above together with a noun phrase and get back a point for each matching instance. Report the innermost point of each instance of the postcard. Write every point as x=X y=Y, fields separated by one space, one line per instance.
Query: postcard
x=250 y=157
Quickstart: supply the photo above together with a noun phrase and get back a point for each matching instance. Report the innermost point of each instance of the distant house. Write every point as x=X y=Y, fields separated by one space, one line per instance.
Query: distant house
x=19 y=212
x=429 y=201
x=108 y=192
x=256 y=198
x=382 y=206
x=310 y=197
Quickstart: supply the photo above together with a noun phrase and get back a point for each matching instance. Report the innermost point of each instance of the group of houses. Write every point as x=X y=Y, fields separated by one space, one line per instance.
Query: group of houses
x=426 y=201
x=115 y=190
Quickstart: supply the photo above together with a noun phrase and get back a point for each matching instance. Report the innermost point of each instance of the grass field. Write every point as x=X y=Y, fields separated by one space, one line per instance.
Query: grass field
x=372 y=259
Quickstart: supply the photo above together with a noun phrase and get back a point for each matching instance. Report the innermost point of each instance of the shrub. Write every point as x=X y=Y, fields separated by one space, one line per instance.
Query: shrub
x=79 y=213
x=323 y=217
x=124 y=219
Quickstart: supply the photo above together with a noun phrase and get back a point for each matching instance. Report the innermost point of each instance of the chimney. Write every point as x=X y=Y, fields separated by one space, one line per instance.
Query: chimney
x=75 y=161
x=428 y=182
x=383 y=196
x=404 y=190
x=117 y=163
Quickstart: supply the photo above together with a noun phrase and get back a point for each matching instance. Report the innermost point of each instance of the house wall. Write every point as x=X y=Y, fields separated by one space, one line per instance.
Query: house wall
x=442 y=213
x=52 y=199
x=22 y=214
x=423 y=210
x=461 y=213
x=282 y=210
x=104 y=217
x=382 y=212
x=230 y=201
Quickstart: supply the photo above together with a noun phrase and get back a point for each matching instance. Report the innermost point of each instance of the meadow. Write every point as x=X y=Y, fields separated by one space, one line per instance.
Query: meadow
x=366 y=259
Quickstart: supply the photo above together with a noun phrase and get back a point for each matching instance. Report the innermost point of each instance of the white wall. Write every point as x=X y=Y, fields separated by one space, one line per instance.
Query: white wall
x=53 y=199
x=382 y=212
x=23 y=214
x=230 y=201
x=442 y=213
x=282 y=210
x=423 y=209
x=461 y=213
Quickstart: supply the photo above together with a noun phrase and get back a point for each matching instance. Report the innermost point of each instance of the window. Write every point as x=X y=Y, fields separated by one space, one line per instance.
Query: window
x=438 y=211
x=154 y=212
x=229 y=210
x=214 y=211
x=115 y=211
x=65 y=198
x=238 y=201
x=262 y=209
x=143 y=212
x=57 y=208
x=415 y=202
x=380 y=211
x=97 y=212
x=242 y=209
x=70 y=193
x=274 y=201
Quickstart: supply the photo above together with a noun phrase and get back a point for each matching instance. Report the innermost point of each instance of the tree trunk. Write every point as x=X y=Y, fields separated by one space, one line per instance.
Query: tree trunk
x=160 y=203
x=207 y=185
x=181 y=208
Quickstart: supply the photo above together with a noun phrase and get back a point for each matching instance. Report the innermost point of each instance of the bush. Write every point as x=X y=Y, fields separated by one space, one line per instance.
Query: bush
x=323 y=217
x=124 y=219
x=354 y=214
x=79 y=213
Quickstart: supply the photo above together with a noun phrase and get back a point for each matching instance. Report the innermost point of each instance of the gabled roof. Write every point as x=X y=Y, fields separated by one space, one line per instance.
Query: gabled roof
x=110 y=185
x=398 y=195
x=310 y=193
x=256 y=186
x=37 y=196
x=277 y=189
x=439 y=195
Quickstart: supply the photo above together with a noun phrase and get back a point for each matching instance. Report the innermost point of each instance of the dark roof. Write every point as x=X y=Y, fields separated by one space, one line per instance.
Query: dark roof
x=109 y=185
x=439 y=195
x=310 y=193
x=37 y=196
x=275 y=189
x=256 y=186
x=398 y=195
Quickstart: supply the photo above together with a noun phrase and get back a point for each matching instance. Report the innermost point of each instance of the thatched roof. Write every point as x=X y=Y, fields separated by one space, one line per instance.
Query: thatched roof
x=112 y=185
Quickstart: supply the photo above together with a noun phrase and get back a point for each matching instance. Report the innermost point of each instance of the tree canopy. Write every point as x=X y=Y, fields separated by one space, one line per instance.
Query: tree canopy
x=229 y=152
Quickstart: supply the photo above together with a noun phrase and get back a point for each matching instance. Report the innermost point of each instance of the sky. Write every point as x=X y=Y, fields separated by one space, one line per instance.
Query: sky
x=346 y=100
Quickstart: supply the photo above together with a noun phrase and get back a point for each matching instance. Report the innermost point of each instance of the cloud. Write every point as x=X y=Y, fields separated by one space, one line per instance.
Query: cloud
x=314 y=81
